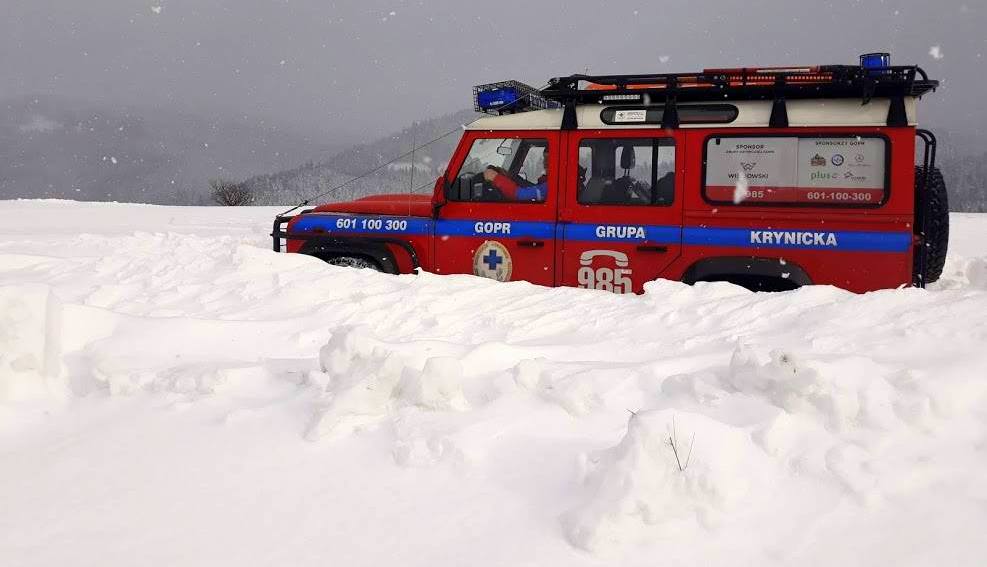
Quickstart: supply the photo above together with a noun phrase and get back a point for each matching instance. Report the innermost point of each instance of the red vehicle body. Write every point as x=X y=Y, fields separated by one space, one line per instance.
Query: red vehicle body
x=826 y=194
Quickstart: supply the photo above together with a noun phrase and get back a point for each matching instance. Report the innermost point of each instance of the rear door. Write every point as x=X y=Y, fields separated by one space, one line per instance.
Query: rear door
x=491 y=232
x=621 y=218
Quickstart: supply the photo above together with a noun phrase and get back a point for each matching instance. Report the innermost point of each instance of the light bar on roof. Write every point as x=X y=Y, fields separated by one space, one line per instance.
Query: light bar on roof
x=622 y=97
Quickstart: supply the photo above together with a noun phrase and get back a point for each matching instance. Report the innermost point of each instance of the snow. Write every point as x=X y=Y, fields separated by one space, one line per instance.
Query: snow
x=40 y=124
x=740 y=188
x=172 y=390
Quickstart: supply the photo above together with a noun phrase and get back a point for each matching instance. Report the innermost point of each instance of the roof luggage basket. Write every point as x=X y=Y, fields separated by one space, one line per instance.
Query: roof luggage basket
x=508 y=97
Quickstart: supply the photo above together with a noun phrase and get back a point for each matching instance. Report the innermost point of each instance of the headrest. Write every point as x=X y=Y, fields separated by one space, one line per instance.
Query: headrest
x=627 y=157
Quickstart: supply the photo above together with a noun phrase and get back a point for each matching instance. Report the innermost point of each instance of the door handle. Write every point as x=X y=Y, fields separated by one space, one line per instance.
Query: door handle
x=531 y=243
x=651 y=248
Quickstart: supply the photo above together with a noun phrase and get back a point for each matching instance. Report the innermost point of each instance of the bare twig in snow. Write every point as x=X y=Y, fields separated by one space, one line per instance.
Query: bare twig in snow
x=673 y=442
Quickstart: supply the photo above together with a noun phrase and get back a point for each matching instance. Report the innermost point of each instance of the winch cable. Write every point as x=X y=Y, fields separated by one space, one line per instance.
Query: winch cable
x=406 y=154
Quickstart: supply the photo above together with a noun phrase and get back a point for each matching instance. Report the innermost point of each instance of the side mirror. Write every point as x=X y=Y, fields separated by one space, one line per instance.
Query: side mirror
x=454 y=189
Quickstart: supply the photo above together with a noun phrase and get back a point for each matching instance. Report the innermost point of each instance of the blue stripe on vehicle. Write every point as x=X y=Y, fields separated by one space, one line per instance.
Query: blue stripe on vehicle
x=495 y=228
x=897 y=242
x=804 y=239
x=348 y=224
x=623 y=233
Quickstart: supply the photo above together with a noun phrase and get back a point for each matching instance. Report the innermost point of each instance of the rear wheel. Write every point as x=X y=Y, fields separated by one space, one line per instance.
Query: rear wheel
x=936 y=225
x=358 y=262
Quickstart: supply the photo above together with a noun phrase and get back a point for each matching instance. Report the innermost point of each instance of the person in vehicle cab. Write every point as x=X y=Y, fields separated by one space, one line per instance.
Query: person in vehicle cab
x=514 y=191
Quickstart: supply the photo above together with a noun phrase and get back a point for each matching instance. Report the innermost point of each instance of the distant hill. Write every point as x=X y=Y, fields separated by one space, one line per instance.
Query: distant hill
x=66 y=148
x=293 y=185
x=963 y=161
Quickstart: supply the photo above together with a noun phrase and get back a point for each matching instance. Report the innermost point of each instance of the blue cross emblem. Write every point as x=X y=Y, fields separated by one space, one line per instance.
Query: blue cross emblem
x=492 y=259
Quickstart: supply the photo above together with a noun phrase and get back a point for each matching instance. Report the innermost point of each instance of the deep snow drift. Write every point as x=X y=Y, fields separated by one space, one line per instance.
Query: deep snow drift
x=173 y=393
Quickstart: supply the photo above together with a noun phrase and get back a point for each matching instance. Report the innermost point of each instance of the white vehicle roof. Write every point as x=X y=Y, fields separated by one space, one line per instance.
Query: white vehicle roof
x=752 y=113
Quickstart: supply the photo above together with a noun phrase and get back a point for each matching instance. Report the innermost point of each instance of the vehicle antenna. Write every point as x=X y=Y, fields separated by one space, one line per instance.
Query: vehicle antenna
x=411 y=181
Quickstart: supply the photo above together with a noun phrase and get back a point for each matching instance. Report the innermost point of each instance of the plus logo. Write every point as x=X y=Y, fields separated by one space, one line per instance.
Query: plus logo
x=493 y=260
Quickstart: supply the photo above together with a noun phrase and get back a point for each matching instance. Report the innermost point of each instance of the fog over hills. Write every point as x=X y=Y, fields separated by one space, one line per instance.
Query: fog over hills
x=400 y=173
x=59 y=147
x=55 y=147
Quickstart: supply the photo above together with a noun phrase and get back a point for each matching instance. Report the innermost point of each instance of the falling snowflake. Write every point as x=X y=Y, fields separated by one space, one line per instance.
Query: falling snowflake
x=740 y=192
x=156 y=9
x=936 y=52
x=663 y=58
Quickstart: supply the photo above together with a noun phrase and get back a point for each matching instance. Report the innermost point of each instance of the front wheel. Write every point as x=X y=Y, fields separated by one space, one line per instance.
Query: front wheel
x=357 y=262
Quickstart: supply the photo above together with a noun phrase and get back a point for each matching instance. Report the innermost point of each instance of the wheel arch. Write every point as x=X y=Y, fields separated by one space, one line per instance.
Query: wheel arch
x=743 y=270
x=375 y=251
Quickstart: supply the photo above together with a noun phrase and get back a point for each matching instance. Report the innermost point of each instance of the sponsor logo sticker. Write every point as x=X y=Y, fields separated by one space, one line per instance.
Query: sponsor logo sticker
x=630 y=116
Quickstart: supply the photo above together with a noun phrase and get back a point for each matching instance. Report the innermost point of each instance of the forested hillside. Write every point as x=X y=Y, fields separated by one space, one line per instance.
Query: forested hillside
x=59 y=147
x=312 y=179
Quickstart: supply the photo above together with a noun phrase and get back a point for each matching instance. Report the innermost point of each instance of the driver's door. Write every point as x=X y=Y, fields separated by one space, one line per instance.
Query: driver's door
x=479 y=231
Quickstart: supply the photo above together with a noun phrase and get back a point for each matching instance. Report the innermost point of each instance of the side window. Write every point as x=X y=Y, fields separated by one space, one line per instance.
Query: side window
x=790 y=170
x=626 y=171
x=503 y=170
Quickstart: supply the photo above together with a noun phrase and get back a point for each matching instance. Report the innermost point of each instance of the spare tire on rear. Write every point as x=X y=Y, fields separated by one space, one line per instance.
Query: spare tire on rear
x=936 y=239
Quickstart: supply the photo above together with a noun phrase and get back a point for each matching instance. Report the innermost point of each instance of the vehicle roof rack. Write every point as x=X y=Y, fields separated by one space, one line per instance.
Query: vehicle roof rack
x=767 y=83
x=825 y=81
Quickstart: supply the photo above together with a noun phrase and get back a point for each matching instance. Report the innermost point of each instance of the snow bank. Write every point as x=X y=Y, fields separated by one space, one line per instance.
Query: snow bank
x=657 y=483
x=313 y=414
x=30 y=342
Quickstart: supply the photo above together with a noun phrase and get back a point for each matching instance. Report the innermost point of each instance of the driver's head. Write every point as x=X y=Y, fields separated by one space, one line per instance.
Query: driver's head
x=544 y=159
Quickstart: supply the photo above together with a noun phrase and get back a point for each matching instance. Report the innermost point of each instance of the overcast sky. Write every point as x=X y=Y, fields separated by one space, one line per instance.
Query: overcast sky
x=364 y=68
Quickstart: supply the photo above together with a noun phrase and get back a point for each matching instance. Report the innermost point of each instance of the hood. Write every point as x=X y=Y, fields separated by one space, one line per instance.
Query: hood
x=397 y=204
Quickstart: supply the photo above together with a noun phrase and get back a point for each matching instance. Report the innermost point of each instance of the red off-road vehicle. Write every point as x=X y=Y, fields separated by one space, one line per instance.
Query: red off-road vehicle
x=768 y=178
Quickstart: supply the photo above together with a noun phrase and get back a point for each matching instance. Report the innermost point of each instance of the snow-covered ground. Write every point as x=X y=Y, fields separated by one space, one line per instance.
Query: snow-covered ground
x=174 y=393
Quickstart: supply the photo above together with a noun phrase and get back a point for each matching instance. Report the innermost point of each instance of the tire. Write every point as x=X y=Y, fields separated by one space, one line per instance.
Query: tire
x=357 y=262
x=936 y=225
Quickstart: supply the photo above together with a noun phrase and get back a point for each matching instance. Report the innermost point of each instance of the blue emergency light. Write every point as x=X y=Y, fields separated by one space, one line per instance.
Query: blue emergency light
x=875 y=61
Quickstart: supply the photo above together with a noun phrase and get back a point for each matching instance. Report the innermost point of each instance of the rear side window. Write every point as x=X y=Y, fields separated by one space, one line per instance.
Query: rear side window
x=790 y=170
x=626 y=171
